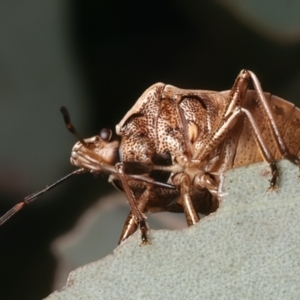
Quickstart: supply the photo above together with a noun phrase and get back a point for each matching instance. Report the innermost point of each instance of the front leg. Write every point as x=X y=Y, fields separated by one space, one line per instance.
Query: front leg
x=130 y=228
x=132 y=222
x=130 y=196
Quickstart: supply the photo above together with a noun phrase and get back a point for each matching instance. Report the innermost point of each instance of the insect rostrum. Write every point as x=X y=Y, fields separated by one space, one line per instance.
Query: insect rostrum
x=175 y=144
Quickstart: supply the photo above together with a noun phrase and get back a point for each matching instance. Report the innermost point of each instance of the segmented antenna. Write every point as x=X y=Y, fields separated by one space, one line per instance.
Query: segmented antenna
x=30 y=198
x=70 y=126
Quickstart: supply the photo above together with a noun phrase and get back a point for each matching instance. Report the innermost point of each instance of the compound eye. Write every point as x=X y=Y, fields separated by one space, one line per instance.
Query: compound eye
x=105 y=134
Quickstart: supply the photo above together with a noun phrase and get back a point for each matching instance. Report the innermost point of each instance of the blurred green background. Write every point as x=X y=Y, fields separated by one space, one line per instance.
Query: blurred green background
x=96 y=58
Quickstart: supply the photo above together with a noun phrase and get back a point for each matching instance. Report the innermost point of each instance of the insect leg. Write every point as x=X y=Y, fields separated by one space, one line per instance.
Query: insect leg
x=183 y=181
x=130 y=228
x=202 y=148
x=272 y=123
x=220 y=134
x=131 y=225
x=233 y=110
x=138 y=215
x=268 y=157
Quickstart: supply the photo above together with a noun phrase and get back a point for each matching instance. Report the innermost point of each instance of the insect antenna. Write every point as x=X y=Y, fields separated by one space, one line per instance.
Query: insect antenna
x=35 y=195
x=30 y=198
x=70 y=126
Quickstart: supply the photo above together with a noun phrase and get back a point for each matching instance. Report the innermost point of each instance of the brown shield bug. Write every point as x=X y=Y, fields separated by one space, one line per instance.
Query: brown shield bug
x=174 y=145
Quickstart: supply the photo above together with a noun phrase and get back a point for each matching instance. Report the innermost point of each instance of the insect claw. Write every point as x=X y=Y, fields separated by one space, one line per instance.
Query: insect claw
x=144 y=233
x=145 y=242
x=272 y=188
